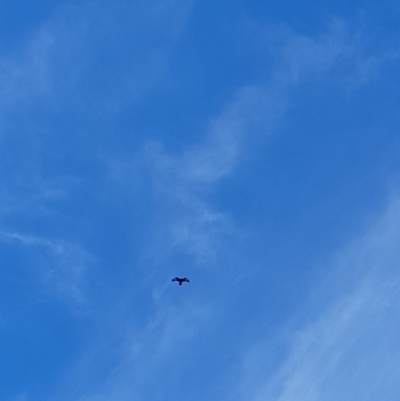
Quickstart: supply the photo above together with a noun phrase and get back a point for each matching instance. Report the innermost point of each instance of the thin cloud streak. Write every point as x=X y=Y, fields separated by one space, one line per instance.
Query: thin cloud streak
x=61 y=55
x=348 y=352
x=254 y=113
x=120 y=364
x=62 y=267
x=24 y=76
x=338 y=53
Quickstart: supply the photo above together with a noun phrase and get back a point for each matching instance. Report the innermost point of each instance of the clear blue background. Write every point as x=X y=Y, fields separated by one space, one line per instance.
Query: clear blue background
x=251 y=146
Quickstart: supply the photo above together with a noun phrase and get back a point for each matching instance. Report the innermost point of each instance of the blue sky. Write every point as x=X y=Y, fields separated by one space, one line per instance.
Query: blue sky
x=253 y=147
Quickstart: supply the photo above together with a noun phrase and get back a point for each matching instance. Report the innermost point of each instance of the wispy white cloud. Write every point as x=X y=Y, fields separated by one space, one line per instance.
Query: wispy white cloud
x=181 y=180
x=341 y=56
x=255 y=112
x=20 y=397
x=61 y=57
x=350 y=350
x=60 y=266
x=24 y=75
x=121 y=364
x=84 y=57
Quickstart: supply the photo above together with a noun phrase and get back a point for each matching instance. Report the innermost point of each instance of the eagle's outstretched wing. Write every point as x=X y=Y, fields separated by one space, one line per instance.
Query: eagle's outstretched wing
x=181 y=280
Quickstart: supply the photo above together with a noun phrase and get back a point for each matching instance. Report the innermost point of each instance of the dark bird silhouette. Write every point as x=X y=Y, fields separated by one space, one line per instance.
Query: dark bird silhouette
x=181 y=280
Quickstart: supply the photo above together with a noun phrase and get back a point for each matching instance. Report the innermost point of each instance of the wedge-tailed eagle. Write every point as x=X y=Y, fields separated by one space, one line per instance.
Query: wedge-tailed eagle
x=181 y=280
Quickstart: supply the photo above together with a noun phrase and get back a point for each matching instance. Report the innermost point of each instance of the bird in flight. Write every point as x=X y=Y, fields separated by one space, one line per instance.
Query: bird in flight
x=181 y=280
